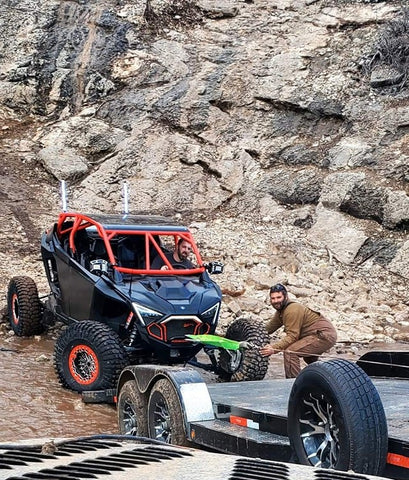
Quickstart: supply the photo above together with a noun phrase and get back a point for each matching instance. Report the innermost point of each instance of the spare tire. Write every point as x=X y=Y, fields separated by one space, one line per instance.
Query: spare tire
x=88 y=355
x=336 y=419
x=24 y=307
x=245 y=364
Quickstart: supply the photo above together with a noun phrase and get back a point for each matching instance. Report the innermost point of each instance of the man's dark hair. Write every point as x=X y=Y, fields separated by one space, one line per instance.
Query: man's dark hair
x=278 y=287
x=182 y=240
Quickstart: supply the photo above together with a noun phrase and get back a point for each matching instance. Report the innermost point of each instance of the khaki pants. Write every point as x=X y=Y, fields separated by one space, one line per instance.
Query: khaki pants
x=309 y=348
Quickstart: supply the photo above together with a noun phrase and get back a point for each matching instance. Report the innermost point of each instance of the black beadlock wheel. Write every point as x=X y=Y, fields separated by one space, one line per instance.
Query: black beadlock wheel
x=89 y=355
x=165 y=416
x=336 y=419
x=247 y=364
x=131 y=410
x=24 y=307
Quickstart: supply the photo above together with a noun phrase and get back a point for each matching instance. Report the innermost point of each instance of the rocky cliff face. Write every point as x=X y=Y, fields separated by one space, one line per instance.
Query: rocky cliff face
x=278 y=129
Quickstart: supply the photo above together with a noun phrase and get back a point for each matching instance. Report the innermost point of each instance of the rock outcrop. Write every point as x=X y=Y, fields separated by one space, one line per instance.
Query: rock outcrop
x=275 y=128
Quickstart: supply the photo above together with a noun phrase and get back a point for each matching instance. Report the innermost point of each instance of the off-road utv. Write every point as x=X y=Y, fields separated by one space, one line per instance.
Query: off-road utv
x=118 y=310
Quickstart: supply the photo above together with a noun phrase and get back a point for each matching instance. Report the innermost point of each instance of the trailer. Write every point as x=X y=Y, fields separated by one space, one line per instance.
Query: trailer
x=332 y=416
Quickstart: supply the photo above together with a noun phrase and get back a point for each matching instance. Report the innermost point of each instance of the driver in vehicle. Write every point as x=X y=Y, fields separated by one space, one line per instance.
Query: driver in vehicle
x=179 y=258
x=308 y=334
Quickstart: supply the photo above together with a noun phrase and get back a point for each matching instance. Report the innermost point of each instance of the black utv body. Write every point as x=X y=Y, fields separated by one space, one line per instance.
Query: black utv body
x=118 y=310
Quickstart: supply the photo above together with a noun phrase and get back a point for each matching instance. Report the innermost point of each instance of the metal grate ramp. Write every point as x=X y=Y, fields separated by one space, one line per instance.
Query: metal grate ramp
x=126 y=459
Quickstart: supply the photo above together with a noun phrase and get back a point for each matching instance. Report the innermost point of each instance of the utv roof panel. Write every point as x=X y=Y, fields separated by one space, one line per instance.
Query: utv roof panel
x=114 y=219
x=134 y=222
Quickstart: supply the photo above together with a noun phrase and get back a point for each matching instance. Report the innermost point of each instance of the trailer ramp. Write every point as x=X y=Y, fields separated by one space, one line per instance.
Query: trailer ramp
x=111 y=458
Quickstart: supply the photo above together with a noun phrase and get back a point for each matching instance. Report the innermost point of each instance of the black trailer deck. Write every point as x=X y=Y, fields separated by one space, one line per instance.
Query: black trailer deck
x=261 y=407
x=270 y=397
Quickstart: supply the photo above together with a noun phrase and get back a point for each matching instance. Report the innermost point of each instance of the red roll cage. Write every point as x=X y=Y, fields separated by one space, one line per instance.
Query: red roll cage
x=70 y=223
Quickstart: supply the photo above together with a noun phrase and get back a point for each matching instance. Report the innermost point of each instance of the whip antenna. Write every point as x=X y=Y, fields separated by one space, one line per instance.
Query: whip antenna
x=63 y=196
x=126 y=199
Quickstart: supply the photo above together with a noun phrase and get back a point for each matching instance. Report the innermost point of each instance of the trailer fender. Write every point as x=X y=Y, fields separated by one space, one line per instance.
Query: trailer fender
x=192 y=391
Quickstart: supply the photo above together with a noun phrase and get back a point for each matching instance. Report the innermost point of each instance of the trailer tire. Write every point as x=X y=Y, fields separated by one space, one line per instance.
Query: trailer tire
x=336 y=419
x=24 y=307
x=248 y=364
x=165 y=416
x=132 y=407
x=89 y=355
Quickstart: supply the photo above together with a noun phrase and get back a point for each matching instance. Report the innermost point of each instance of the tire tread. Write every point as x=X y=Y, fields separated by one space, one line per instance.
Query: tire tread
x=29 y=321
x=253 y=366
x=106 y=344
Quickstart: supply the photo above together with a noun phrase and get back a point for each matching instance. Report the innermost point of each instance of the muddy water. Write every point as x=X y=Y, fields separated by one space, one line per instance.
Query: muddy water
x=34 y=405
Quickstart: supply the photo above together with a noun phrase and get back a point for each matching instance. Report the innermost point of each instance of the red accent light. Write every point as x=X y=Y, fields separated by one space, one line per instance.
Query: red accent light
x=202 y=329
x=161 y=335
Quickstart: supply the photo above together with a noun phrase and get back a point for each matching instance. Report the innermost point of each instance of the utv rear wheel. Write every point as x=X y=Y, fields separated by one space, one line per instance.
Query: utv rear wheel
x=336 y=419
x=24 y=307
x=132 y=408
x=88 y=355
x=246 y=364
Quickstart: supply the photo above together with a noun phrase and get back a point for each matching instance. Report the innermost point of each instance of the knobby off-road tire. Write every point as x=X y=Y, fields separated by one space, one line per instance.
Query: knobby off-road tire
x=165 y=417
x=132 y=410
x=249 y=363
x=336 y=419
x=88 y=355
x=24 y=307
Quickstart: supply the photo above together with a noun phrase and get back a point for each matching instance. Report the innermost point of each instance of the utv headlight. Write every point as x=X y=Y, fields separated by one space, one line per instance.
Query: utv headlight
x=211 y=314
x=145 y=314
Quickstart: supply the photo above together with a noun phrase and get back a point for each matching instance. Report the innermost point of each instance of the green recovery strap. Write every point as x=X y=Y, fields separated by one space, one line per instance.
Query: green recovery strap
x=215 y=341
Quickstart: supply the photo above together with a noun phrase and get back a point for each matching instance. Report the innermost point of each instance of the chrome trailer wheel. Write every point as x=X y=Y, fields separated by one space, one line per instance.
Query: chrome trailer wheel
x=336 y=419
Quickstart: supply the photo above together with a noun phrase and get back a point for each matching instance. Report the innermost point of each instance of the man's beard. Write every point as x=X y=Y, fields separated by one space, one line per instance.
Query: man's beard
x=280 y=305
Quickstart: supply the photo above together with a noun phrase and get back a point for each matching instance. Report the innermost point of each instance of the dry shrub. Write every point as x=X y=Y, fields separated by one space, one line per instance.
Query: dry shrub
x=392 y=48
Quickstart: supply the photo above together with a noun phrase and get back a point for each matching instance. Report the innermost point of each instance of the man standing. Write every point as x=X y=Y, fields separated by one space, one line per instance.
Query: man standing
x=178 y=259
x=307 y=333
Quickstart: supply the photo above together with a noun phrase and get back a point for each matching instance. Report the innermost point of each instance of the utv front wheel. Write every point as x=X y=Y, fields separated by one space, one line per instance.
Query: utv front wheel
x=24 y=307
x=88 y=355
x=246 y=364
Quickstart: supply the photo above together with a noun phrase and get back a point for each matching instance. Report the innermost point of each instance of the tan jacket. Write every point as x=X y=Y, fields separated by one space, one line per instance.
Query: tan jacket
x=299 y=322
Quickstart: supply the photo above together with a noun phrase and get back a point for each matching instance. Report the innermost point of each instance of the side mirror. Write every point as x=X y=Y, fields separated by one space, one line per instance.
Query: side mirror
x=98 y=267
x=215 y=267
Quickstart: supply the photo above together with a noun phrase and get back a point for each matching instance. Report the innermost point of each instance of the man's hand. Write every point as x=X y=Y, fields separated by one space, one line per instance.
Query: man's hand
x=164 y=267
x=268 y=350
